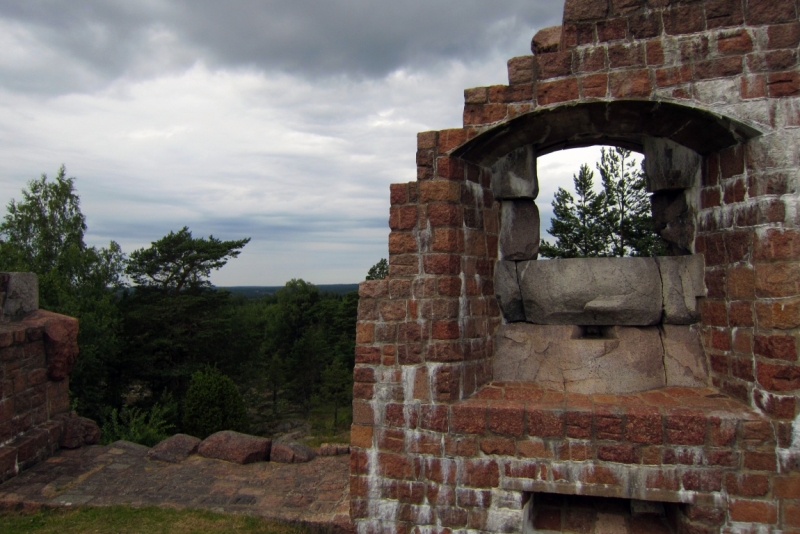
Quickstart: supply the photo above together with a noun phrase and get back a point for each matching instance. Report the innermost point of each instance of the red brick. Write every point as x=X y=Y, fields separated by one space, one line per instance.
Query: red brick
x=445 y=215
x=554 y=65
x=506 y=418
x=760 y=461
x=783 y=35
x=702 y=480
x=608 y=426
x=684 y=19
x=630 y=83
x=777 y=279
x=468 y=418
x=502 y=446
x=685 y=428
x=395 y=466
x=625 y=55
x=783 y=84
x=612 y=29
x=654 y=54
x=545 y=423
x=442 y=264
x=781 y=314
x=644 y=428
x=625 y=454
x=714 y=313
x=450 y=139
x=484 y=113
x=598 y=475
x=753 y=511
x=736 y=42
x=770 y=11
x=787 y=487
x=557 y=91
x=645 y=26
x=403 y=217
x=776 y=347
x=747 y=485
x=593 y=60
x=777 y=244
x=520 y=70
x=481 y=473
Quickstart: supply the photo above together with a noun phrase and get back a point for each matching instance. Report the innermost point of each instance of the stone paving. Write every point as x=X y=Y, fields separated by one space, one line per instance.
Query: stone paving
x=314 y=493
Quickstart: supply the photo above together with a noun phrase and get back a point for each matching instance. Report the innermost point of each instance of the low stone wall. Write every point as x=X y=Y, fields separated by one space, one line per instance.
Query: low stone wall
x=37 y=351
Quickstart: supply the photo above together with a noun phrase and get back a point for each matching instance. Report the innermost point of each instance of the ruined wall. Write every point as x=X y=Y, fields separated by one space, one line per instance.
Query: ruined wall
x=437 y=447
x=37 y=351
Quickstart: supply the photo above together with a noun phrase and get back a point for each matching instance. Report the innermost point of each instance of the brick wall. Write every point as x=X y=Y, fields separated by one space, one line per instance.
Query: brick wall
x=37 y=351
x=436 y=446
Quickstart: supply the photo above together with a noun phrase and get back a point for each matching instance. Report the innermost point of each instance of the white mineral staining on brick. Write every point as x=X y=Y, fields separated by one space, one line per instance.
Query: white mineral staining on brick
x=591 y=291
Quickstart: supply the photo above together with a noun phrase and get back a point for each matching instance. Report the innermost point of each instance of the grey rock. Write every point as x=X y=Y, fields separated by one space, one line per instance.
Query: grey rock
x=684 y=360
x=591 y=291
x=519 y=230
x=674 y=220
x=669 y=165
x=559 y=357
x=77 y=431
x=22 y=294
x=546 y=40
x=235 y=447
x=174 y=449
x=514 y=175
x=683 y=282
x=506 y=288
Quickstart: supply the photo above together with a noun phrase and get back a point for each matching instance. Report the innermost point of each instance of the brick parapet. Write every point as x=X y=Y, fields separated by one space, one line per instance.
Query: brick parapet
x=29 y=399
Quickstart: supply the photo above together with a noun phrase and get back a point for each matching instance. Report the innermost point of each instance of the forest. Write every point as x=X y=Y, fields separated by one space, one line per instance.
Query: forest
x=162 y=350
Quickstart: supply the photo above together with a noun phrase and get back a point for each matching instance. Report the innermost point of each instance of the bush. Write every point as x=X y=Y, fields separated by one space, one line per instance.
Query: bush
x=212 y=404
x=145 y=427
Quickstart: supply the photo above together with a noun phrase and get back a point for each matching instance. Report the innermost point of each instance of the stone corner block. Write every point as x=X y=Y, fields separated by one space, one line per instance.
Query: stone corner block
x=506 y=288
x=519 y=229
x=669 y=165
x=684 y=359
x=514 y=175
x=683 y=281
x=22 y=294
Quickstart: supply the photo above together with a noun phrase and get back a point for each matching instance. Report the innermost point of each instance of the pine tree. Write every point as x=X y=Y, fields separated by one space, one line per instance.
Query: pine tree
x=578 y=226
x=614 y=222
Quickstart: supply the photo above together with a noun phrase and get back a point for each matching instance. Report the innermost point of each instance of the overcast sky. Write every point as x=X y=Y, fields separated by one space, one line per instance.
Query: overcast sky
x=283 y=121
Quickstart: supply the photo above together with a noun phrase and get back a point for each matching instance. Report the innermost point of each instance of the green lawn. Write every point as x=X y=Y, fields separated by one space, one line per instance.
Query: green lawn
x=127 y=520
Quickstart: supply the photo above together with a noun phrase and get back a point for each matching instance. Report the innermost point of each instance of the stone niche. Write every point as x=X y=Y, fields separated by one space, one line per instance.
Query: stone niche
x=600 y=325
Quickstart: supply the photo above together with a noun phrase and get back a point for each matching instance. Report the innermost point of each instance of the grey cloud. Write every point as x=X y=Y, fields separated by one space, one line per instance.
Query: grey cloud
x=101 y=40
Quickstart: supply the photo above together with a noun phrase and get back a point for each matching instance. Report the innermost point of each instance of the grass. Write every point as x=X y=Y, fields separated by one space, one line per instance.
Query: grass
x=127 y=520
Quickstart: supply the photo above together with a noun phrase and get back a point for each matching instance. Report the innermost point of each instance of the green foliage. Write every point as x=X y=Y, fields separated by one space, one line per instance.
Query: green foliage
x=614 y=222
x=44 y=233
x=379 y=271
x=146 y=427
x=178 y=260
x=212 y=404
x=336 y=386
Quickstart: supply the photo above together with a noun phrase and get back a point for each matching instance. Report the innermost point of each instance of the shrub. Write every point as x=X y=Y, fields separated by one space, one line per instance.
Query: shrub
x=145 y=427
x=212 y=404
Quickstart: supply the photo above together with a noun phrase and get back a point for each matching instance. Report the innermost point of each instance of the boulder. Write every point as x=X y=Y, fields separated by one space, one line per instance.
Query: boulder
x=22 y=294
x=574 y=359
x=591 y=291
x=546 y=40
x=682 y=282
x=235 y=447
x=519 y=230
x=174 y=449
x=506 y=288
x=291 y=452
x=77 y=431
x=684 y=359
x=514 y=175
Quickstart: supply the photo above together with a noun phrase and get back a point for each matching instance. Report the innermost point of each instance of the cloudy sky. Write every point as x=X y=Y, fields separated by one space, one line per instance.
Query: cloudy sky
x=283 y=121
